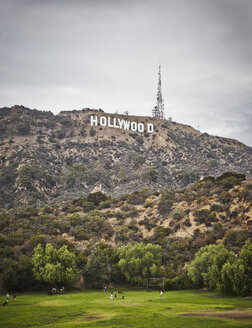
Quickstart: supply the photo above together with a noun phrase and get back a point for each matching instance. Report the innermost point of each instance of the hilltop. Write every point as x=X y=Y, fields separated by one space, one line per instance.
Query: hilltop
x=48 y=158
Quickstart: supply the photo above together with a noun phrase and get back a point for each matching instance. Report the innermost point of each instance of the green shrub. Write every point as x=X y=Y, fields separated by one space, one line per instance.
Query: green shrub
x=96 y=198
x=138 y=197
x=229 y=179
x=166 y=202
x=173 y=284
x=160 y=234
x=225 y=197
x=235 y=238
x=204 y=216
x=148 y=204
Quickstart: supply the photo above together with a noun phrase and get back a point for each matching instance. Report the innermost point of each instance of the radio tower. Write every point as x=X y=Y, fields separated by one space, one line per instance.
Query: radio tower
x=158 y=110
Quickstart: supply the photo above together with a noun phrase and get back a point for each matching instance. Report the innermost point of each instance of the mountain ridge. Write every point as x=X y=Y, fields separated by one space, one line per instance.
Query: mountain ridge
x=45 y=157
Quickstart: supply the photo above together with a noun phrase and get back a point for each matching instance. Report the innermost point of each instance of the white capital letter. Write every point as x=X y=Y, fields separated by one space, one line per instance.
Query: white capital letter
x=115 y=126
x=109 y=124
x=120 y=123
x=150 y=128
x=103 y=121
x=93 y=120
x=140 y=127
x=126 y=125
x=133 y=126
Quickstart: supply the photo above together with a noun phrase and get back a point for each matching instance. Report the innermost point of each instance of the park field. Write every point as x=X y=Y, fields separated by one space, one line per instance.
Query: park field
x=139 y=308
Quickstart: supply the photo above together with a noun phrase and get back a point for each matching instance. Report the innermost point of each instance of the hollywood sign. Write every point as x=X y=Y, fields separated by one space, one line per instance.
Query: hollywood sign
x=118 y=123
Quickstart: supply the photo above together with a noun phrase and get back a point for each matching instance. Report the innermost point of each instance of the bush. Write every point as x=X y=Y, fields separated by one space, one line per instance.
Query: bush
x=166 y=202
x=229 y=179
x=151 y=174
x=148 y=204
x=216 y=208
x=92 y=132
x=225 y=197
x=161 y=234
x=96 y=198
x=187 y=223
x=177 y=216
x=27 y=175
x=205 y=216
x=236 y=238
x=5 y=220
x=140 y=139
x=23 y=128
x=138 y=197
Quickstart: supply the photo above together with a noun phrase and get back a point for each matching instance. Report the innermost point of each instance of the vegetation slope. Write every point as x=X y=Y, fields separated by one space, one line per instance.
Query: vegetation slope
x=211 y=211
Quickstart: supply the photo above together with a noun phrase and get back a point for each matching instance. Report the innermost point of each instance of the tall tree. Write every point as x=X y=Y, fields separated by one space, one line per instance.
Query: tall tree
x=140 y=261
x=205 y=269
x=57 y=267
x=96 y=273
x=237 y=278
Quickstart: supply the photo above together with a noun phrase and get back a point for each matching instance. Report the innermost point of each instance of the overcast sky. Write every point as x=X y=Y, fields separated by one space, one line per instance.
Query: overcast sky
x=70 y=54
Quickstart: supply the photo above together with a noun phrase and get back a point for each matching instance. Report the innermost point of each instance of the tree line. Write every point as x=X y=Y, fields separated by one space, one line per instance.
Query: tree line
x=213 y=267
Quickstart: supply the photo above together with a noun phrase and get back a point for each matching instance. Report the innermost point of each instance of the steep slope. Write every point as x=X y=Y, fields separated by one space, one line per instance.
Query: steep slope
x=46 y=156
x=209 y=211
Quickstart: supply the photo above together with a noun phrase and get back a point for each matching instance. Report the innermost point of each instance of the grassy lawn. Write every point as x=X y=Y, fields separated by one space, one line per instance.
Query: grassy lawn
x=138 y=309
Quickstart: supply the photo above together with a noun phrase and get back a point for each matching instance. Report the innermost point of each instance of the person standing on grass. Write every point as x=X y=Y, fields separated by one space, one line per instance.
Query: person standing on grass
x=111 y=295
x=7 y=297
x=14 y=297
x=105 y=289
x=161 y=295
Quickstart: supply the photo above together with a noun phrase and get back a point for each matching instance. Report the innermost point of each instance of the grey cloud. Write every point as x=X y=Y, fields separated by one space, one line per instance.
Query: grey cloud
x=72 y=54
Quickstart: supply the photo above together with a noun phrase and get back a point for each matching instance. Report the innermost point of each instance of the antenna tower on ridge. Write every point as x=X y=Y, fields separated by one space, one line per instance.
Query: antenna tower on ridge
x=158 y=110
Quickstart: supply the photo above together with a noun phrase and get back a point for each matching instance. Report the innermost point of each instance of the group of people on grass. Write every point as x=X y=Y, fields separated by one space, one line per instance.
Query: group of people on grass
x=57 y=291
x=114 y=294
x=62 y=290
x=8 y=297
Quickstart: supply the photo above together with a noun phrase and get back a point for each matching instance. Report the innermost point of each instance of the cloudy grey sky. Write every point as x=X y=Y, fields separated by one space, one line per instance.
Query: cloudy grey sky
x=69 y=54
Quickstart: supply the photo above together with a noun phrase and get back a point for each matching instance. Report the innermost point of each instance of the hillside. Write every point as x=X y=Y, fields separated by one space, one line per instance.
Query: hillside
x=47 y=158
x=211 y=211
x=206 y=211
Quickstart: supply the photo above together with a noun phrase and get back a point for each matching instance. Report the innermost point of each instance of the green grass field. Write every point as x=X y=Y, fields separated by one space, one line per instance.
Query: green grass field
x=138 y=309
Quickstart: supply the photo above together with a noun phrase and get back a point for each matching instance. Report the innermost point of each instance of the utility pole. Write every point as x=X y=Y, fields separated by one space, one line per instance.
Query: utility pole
x=158 y=110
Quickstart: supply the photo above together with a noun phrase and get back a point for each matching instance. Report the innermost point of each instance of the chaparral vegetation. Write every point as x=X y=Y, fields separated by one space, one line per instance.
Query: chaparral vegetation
x=186 y=238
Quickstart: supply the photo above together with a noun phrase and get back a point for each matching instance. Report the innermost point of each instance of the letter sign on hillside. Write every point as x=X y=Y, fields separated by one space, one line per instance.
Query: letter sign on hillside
x=120 y=124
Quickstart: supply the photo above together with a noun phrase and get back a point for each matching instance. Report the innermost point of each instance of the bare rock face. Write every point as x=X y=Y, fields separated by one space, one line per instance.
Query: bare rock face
x=47 y=158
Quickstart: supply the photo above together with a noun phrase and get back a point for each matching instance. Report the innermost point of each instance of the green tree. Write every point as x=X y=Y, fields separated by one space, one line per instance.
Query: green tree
x=140 y=261
x=102 y=266
x=237 y=278
x=17 y=275
x=56 y=267
x=205 y=269
x=96 y=273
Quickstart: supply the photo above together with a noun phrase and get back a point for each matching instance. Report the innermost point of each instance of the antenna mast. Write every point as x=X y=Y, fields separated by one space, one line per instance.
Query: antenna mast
x=158 y=110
